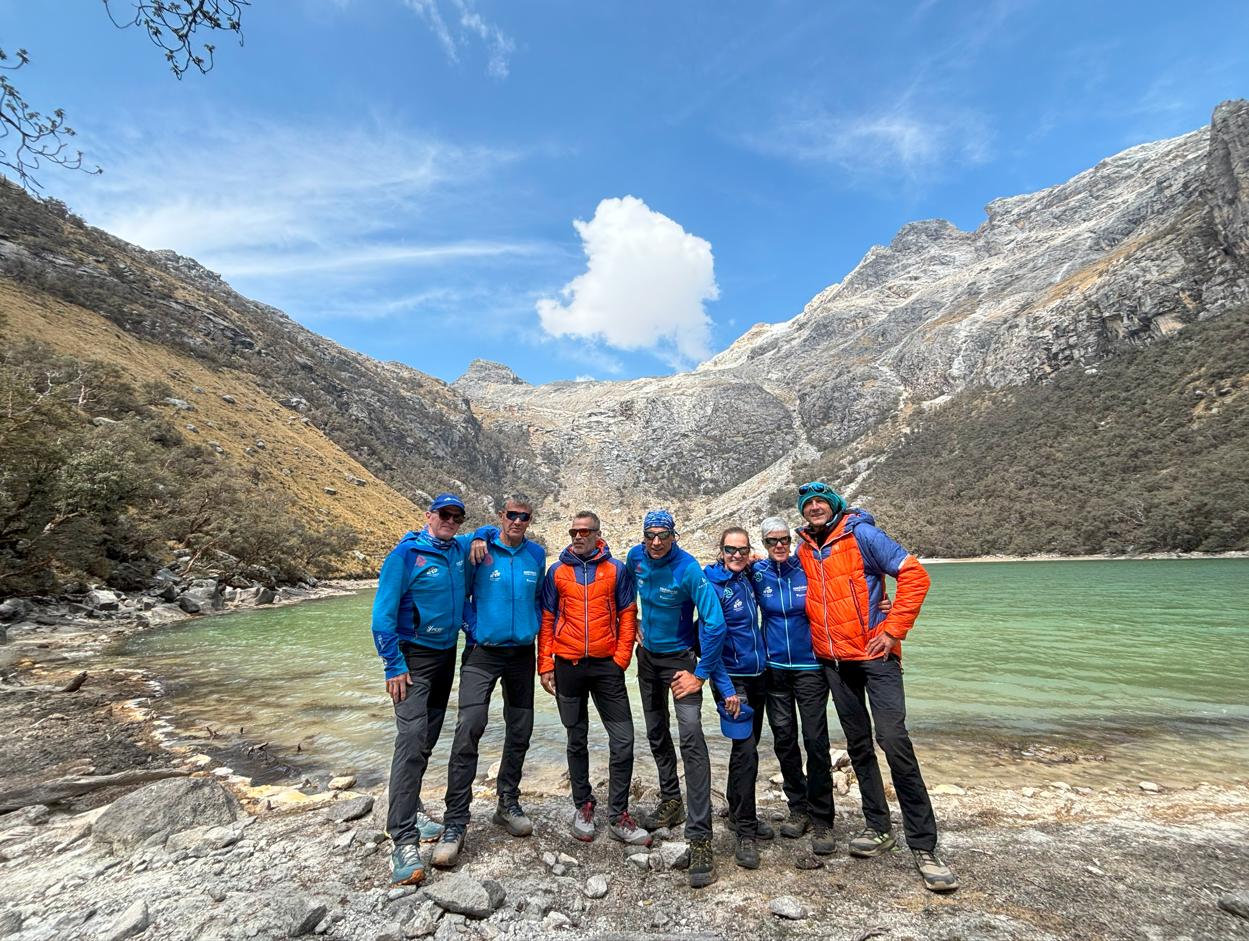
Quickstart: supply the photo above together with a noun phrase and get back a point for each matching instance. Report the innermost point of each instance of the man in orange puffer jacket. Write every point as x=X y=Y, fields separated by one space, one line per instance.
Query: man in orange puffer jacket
x=585 y=644
x=846 y=558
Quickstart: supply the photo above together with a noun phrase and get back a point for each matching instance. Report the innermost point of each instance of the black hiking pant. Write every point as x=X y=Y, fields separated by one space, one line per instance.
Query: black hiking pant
x=603 y=679
x=480 y=669
x=744 y=758
x=795 y=695
x=855 y=684
x=418 y=723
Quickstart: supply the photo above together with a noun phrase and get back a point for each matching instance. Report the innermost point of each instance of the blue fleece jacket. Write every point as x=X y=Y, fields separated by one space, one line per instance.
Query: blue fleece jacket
x=743 y=641
x=669 y=589
x=781 y=590
x=505 y=608
x=420 y=597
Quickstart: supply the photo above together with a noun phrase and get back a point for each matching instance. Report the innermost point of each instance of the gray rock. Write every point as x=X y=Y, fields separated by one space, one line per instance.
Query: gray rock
x=556 y=920
x=496 y=892
x=103 y=600
x=131 y=922
x=461 y=894
x=536 y=907
x=217 y=894
x=15 y=609
x=307 y=916
x=181 y=405
x=675 y=854
x=330 y=490
x=569 y=862
x=10 y=922
x=190 y=604
x=229 y=399
x=351 y=809
x=424 y=920
x=596 y=887
x=1236 y=902
x=33 y=815
x=640 y=861
x=786 y=906
x=153 y=813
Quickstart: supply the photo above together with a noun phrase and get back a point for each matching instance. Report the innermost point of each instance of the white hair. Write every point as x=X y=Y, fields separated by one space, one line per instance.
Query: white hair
x=773 y=524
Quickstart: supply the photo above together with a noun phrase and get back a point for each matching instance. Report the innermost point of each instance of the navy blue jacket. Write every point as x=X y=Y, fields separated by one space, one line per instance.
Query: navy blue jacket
x=781 y=591
x=744 y=653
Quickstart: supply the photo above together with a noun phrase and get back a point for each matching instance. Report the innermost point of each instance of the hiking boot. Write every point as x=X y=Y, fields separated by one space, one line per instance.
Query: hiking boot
x=429 y=829
x=626 y=831
x=447 y=852
x=702 y=864
x=937 y=875
x=871 y=843
x=822 y=842
x=510 y=815
x=747 y=853
x=583 y=822
x=796 y=825
x=407 y=866
x=668 y=814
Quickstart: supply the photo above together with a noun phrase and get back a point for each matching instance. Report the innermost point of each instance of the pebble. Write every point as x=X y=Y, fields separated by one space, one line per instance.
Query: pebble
x=809 y=861
x=399 y=892
x=570 y=862
x=559 y=869
x=556 y=920
x=786 y=906
x=948 y=789
x=1029 y=792
x=1150 y=786
x=343 y=782
x=777 y=779
x=549 y=858
x=1237 y=903
x=596 y=887
x=424 y=920
x=217 y=894
x=131 y=922
x=641 y=861
x=1095 y=871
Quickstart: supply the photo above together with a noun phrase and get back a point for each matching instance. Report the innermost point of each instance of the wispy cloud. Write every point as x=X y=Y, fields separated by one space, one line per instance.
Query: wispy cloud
x=897 y=140
x=499 y=46
x=250 y=198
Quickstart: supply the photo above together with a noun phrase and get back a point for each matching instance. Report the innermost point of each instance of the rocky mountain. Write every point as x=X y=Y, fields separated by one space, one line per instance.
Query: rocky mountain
x=1124 y=254
x=1051 y=284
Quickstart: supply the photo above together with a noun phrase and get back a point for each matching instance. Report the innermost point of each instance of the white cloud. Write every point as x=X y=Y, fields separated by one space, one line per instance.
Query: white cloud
x=644 y=286
x=499 y=46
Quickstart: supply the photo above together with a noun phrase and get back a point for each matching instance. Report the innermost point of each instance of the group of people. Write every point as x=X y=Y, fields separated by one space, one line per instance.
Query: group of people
x=774 y=635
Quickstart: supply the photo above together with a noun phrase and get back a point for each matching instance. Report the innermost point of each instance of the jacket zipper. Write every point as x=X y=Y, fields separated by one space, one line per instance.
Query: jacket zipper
x=585 y=608
x=858 y=612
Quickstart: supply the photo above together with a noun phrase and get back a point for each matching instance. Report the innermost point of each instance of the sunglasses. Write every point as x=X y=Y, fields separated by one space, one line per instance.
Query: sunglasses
x=816 y=487
x=771 y=541
x=735 y=550
x=574 y=533
x=663 y=535
x=515 y=515
x=448 y=517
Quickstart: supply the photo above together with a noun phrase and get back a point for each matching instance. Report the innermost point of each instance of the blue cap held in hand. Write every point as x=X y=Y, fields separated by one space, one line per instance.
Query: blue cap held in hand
x=741 y=727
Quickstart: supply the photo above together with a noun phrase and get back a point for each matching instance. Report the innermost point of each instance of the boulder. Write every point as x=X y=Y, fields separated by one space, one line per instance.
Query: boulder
x=103 y=599
x=10 y=922
x=306 y=917
x=131 y=922
x=153 y=813
x=460 y=894
x=672 y=854
x=15 y=609
x=351 y=809
x=596 y=887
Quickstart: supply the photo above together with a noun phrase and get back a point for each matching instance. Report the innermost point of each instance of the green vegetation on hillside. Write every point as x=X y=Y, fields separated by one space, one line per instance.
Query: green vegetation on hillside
x=97 y=483
x=1149 y=453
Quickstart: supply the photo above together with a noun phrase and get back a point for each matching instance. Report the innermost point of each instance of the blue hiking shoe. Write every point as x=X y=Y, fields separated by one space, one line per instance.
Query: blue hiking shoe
x=409 y=868
x=429 y=829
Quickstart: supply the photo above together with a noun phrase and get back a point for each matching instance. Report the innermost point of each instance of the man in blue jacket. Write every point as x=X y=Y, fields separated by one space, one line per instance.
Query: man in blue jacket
x=670 y=585
x=417 y=617
x=502 y=622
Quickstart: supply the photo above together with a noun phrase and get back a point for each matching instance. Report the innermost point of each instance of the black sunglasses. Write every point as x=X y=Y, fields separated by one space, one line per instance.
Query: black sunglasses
x=661 y=534
x=448 y=516
x=574 y=533
x=771 y=541
x=735 y=550
x=816 y=487
x=515 y=515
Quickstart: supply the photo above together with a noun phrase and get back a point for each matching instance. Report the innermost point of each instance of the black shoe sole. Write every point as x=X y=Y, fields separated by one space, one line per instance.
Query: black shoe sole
x=746 y=863
x=879 y=851
x=700 y=880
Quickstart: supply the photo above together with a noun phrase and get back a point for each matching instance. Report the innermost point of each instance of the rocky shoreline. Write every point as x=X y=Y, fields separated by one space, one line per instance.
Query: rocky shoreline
x=287 y=857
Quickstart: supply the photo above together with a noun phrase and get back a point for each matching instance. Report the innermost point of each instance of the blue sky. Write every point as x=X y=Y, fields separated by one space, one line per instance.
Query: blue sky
x=434 y=180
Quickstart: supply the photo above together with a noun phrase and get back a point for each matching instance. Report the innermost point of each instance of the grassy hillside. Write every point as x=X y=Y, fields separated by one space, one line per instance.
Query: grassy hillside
x=1149 y=452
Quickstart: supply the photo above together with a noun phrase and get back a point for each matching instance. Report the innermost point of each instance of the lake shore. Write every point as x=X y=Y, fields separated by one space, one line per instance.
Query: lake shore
x=1136 y=557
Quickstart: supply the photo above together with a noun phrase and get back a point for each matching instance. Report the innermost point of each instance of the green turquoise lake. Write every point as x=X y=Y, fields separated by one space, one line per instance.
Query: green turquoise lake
x=1097 y=673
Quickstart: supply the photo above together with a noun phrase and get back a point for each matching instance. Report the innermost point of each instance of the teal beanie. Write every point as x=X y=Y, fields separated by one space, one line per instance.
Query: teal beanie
x=824 y=492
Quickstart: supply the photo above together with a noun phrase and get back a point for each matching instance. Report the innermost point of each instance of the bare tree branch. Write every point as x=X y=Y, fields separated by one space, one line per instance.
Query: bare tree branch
x=171 y=25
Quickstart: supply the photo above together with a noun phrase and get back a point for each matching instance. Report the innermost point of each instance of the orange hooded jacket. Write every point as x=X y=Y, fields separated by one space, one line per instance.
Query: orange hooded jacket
x=589 y=609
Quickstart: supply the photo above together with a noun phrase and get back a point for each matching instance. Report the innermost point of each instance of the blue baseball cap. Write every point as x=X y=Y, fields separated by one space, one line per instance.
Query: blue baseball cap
x=741 y=727
x=445 y=500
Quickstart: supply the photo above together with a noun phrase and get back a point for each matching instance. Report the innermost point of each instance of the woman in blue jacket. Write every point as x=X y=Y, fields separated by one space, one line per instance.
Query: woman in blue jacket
x=744 y=660
x=795 y=687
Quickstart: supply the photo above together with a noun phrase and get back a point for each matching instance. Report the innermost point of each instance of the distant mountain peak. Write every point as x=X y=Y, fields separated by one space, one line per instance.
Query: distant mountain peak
x=485 y=372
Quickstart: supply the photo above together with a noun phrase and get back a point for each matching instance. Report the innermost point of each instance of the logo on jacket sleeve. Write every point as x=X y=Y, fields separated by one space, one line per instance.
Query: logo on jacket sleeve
x=420 y=559
x=488 y=560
